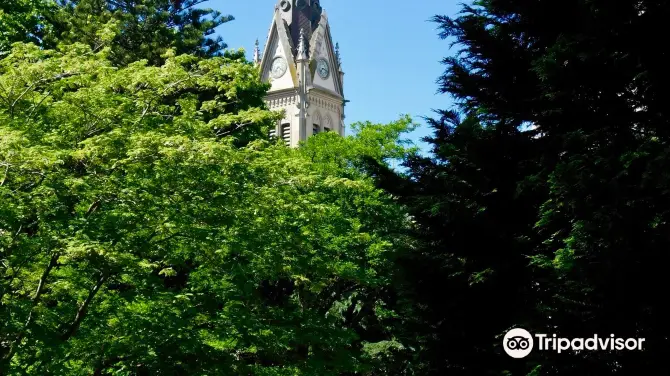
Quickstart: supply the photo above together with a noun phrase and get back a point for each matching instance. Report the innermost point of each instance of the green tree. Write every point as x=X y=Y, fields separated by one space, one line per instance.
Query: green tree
x=23 y=21
x=145 y=28
x=545 y=202
x=592 y=90
x=469 y=274
x=145 y=231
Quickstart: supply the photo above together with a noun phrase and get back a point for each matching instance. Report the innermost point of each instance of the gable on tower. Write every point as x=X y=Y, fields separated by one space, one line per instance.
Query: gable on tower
x=323 y=48
x=278 y=63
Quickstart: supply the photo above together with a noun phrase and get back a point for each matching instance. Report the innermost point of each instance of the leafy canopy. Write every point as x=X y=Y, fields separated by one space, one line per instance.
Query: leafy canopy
x=23 y=21
x=146 y=227
x=143 y=30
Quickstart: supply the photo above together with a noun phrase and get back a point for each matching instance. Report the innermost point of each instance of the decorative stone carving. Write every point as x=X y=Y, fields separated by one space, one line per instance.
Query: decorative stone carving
x=285 y=5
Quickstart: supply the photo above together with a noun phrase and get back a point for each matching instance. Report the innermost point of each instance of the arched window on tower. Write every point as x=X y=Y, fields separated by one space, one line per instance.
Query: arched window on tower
x=316 y=128
x=286 y=133
x=329 y=125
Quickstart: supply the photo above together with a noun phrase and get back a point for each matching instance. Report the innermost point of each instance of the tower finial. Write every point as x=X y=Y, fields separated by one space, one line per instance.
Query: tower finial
x=302 y=47
x=257 y=53
x=337 y=54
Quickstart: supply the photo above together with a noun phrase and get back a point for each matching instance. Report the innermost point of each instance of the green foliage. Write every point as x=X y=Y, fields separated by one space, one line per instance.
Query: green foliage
x=545 y=202
x=467 y=273
x=133 y=30
x=23 y=21
x=145 y=29
x=380 y=143
x=146 y=230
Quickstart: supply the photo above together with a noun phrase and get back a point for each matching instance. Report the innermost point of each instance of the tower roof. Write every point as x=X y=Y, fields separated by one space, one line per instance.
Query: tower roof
x=302 y=48
x=300 y=32
x=300 y=14
x=257 y=53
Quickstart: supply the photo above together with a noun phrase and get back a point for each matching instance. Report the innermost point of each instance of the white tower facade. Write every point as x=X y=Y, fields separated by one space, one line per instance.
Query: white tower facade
x=303 y=65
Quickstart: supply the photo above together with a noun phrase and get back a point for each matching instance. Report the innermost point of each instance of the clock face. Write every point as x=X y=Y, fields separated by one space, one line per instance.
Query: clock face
x=322 y=68
x=278 y=67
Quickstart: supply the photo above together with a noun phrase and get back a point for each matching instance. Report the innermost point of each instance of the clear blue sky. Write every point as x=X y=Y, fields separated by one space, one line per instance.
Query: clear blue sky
x=390 y=51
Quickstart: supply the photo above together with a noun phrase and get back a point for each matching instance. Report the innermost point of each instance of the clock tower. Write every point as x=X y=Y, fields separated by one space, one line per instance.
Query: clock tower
x=303 y=65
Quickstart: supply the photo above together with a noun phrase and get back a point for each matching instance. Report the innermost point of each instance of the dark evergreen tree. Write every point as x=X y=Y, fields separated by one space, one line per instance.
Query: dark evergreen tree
x=23 y=21
x=475 y=226
x=141 y=29
x=145 y=28
x=548 y=206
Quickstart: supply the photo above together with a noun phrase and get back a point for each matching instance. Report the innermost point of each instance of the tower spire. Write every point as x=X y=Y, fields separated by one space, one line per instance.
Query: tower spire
x=302 y=47
x=337 y=54
x=303 y=88
x=257 y=54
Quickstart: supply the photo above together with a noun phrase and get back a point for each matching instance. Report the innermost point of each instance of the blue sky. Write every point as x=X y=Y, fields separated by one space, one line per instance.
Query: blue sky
x=390 y=52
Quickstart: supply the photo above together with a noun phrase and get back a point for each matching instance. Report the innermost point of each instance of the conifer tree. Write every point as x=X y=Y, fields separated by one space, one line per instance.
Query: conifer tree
x=545 y=203
x=145 y=28
x=23 y=21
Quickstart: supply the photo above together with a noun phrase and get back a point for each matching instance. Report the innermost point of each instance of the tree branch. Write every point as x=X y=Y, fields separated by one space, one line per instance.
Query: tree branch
x=36 y=297
x=144 y=114
x=33 y=185
x=167 y=238
x=4 y=178
x=222 y=134
x=91 y=209
x=108 y=363
x=83 y=309
x=36 y=106
x=31 y=86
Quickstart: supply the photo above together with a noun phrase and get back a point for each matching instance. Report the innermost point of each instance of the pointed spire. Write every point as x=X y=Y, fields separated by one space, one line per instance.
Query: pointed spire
x=302 y=47
x=337 y=54
x=257 y=53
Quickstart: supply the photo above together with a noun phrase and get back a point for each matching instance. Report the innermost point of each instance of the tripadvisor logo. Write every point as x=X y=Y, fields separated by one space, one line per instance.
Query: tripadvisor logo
x=518 y=343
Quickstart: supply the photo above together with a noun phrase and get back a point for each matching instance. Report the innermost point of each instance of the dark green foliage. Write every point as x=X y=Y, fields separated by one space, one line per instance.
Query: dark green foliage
x=24 y=21
x=547 y=206
x=475 y=225
x=145 y=28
